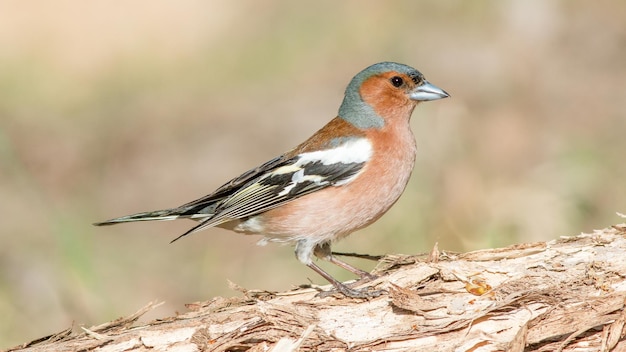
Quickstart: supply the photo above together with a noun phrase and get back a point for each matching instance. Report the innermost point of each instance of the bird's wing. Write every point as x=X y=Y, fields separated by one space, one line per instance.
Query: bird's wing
x=206 y=205
x=279 y=181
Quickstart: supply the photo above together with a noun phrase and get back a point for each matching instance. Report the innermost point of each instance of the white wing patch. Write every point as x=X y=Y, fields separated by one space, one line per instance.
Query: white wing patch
x=358 y=150
x=306 y=169
x=299 y=177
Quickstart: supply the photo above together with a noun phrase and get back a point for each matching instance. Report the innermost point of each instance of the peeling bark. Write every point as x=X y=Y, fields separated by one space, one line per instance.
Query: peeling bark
x=563 y=295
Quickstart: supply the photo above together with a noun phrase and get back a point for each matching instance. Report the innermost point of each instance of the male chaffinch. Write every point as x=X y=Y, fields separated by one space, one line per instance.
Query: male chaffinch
x=341 y=179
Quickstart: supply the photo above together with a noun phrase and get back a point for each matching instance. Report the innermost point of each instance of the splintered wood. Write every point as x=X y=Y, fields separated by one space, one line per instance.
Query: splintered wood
x=562 y=295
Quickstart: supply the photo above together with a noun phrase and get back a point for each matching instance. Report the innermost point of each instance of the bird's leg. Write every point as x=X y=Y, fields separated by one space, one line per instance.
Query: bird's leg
x=306 y=249
x=375 y=258
x=345 y=290
x=323 y=251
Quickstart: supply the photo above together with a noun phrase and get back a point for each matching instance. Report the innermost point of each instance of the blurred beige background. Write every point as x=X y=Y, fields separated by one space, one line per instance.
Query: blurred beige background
x=109 y=108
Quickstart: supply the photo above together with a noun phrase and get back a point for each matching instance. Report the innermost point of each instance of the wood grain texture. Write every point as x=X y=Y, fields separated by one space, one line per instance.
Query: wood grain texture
x=563 y=295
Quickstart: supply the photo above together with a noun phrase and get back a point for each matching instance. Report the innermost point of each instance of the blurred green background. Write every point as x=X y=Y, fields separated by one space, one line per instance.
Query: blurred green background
x=109 y=108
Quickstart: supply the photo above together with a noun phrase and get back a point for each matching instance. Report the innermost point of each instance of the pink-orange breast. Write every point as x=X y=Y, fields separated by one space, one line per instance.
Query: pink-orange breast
x=337 y=211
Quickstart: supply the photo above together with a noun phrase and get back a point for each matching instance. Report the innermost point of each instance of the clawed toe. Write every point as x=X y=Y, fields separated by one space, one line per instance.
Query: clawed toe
x=366 y=292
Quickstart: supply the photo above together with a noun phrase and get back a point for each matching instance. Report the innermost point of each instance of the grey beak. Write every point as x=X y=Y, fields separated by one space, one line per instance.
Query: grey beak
x=427 y=91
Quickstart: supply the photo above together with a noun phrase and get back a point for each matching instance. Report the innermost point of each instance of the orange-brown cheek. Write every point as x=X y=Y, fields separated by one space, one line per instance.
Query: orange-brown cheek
x=383 y=99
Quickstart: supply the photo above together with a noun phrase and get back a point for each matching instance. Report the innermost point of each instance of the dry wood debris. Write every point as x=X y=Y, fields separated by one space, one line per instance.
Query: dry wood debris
x=563 y=295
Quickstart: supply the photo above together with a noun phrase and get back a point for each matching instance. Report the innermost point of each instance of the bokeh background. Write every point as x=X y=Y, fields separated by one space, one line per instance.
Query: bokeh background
x=111 y=107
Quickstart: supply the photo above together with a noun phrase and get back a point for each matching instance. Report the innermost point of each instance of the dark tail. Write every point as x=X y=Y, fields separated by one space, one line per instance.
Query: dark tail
x=182 y=212
x=158 y=215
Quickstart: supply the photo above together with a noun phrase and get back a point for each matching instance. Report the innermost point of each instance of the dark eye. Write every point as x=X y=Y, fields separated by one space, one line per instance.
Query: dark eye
x=397 y=81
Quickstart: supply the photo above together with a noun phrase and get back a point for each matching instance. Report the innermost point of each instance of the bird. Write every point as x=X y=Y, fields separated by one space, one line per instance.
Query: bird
x=341 y=179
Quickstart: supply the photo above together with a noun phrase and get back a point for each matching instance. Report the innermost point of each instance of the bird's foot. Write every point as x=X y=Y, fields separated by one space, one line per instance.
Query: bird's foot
x=366 y=277
x=350 y=292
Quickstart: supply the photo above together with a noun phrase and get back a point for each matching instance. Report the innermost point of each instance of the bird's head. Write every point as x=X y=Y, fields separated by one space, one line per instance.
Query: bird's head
x=383 y=91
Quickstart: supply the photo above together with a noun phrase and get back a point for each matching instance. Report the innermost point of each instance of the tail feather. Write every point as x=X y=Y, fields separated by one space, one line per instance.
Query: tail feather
x=158 y=215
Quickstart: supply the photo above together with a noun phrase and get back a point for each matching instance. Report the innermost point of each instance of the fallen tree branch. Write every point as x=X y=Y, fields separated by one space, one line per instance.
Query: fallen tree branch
x=560 y=295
